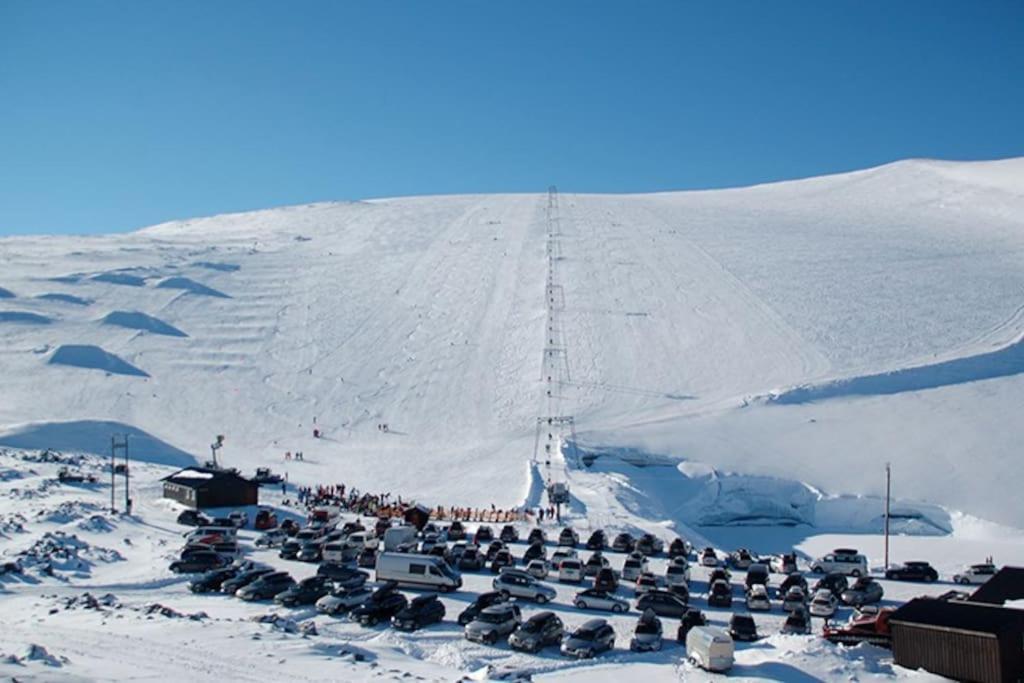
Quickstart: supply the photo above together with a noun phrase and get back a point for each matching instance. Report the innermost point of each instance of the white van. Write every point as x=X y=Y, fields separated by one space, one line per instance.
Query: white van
x=710 y=648
x=841 y=561
x=418 y=570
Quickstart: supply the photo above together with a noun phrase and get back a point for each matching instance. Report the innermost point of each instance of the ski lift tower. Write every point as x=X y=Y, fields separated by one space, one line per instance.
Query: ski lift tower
x=214 y=447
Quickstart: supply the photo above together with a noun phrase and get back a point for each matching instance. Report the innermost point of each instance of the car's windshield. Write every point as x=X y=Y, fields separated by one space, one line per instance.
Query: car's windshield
x=532 y=626
x=646 y=627
x=584 y=634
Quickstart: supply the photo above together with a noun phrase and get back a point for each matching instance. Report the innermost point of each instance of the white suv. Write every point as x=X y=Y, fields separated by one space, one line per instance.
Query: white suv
x=841 y=561
x=976 y=574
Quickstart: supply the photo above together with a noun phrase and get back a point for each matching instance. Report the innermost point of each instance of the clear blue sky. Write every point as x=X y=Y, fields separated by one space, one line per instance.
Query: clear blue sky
x=116 y=115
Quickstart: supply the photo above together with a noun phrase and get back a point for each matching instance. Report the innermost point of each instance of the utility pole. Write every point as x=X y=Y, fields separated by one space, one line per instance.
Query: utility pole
x=113 y=474
x=216 y=446
x=888 y=494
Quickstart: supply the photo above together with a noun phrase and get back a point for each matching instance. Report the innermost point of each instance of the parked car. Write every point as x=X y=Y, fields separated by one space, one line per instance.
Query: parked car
x=289 y=550
x=290 y=527
x=422 y=611
x=784 y=564
x=681 y=590
x=679 y=548
x=647 y=633
x=708 y=557
x=650 y=545
x=494 y=622
x=562 y=553
x=798 y=622
x=913 y=571
x=519 y=584
x=794 y=599
x=599 y=599
x=384 y=603
x=266 y=587
x=341 y=600
x=471 y=560
x=757 y=573
x=568 y=537
x=484 y=534
x=824 y=603
x=720 y=594
x=538 y=569
x=265 y=519
x=503 y=558
x=509 y=534
x=663 y=603
x=719 y=574
x=537 y=536
x=595 y=563
x=535 y=551
x=244 y=578
x=199 y=561
x=692 y=617
x=305 y=592
x=271 y=538
x=340 y=575
x=483 y=601
x=193 y=518
x=794 y=579
x=456 y=532
x=212 y=580
x=757 y=598
x=841 y=561
x=742 y=628
x=367 y=558
x=864 y=591
x=740 y=559
x=492 y=549
x=644 y=583
x=976 y=574
x=597 y=541
x=633 y=567
x=624 y=543
x=593 y=637
x=423 y=571
x=677 y=573
x=537 y=632
x=310 y=551
x=570 y=570
x=239 y=518
x=606 y=580
x=710 y=648
x=834 y=583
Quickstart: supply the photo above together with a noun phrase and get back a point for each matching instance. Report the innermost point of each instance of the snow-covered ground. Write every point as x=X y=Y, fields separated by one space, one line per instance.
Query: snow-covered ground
x=740 y=365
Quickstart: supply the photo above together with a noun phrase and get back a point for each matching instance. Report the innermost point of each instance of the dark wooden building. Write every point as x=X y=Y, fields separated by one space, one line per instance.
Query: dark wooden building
x=1007 y=584
x=417 y=516
x=965 y=641
x=206 y=487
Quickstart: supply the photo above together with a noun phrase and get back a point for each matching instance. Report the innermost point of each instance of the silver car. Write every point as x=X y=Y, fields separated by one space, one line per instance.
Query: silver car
x=597 y=599
x=343 y=599
x=494 y=623
x=520 y=584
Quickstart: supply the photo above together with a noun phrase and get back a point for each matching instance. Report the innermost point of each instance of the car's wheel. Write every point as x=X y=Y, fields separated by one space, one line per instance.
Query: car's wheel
x=817 y=570
x=855 y=573
x=505 y=595
x=491 y=638
x=542 y=599
x=371 y=621
x=963 y=581
x=580 y=604
x=618 y=608
x=930 y=578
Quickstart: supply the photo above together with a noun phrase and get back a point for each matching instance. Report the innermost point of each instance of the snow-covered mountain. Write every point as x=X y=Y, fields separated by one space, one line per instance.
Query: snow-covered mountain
x=805 y=331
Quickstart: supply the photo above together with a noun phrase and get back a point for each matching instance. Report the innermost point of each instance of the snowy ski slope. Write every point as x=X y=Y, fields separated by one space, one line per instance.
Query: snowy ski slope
x=808 y=331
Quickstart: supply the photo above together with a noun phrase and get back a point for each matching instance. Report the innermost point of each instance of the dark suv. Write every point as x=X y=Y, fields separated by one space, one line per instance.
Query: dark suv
x=422 y=611
x=385 y=603
x=913 y=571
x=306 y=592
x=662 y=603
x=199 y=561
x=482 y=602
x=267 y=587
x=540 y=630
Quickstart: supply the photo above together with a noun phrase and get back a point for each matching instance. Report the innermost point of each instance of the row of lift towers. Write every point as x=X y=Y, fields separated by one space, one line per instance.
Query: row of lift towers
x=554 y=429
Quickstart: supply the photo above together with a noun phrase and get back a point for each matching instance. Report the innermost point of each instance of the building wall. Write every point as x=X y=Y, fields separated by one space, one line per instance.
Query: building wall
x=966 y=657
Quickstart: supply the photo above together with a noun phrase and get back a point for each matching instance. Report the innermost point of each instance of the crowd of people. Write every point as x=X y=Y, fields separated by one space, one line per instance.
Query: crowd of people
x=384 y=505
